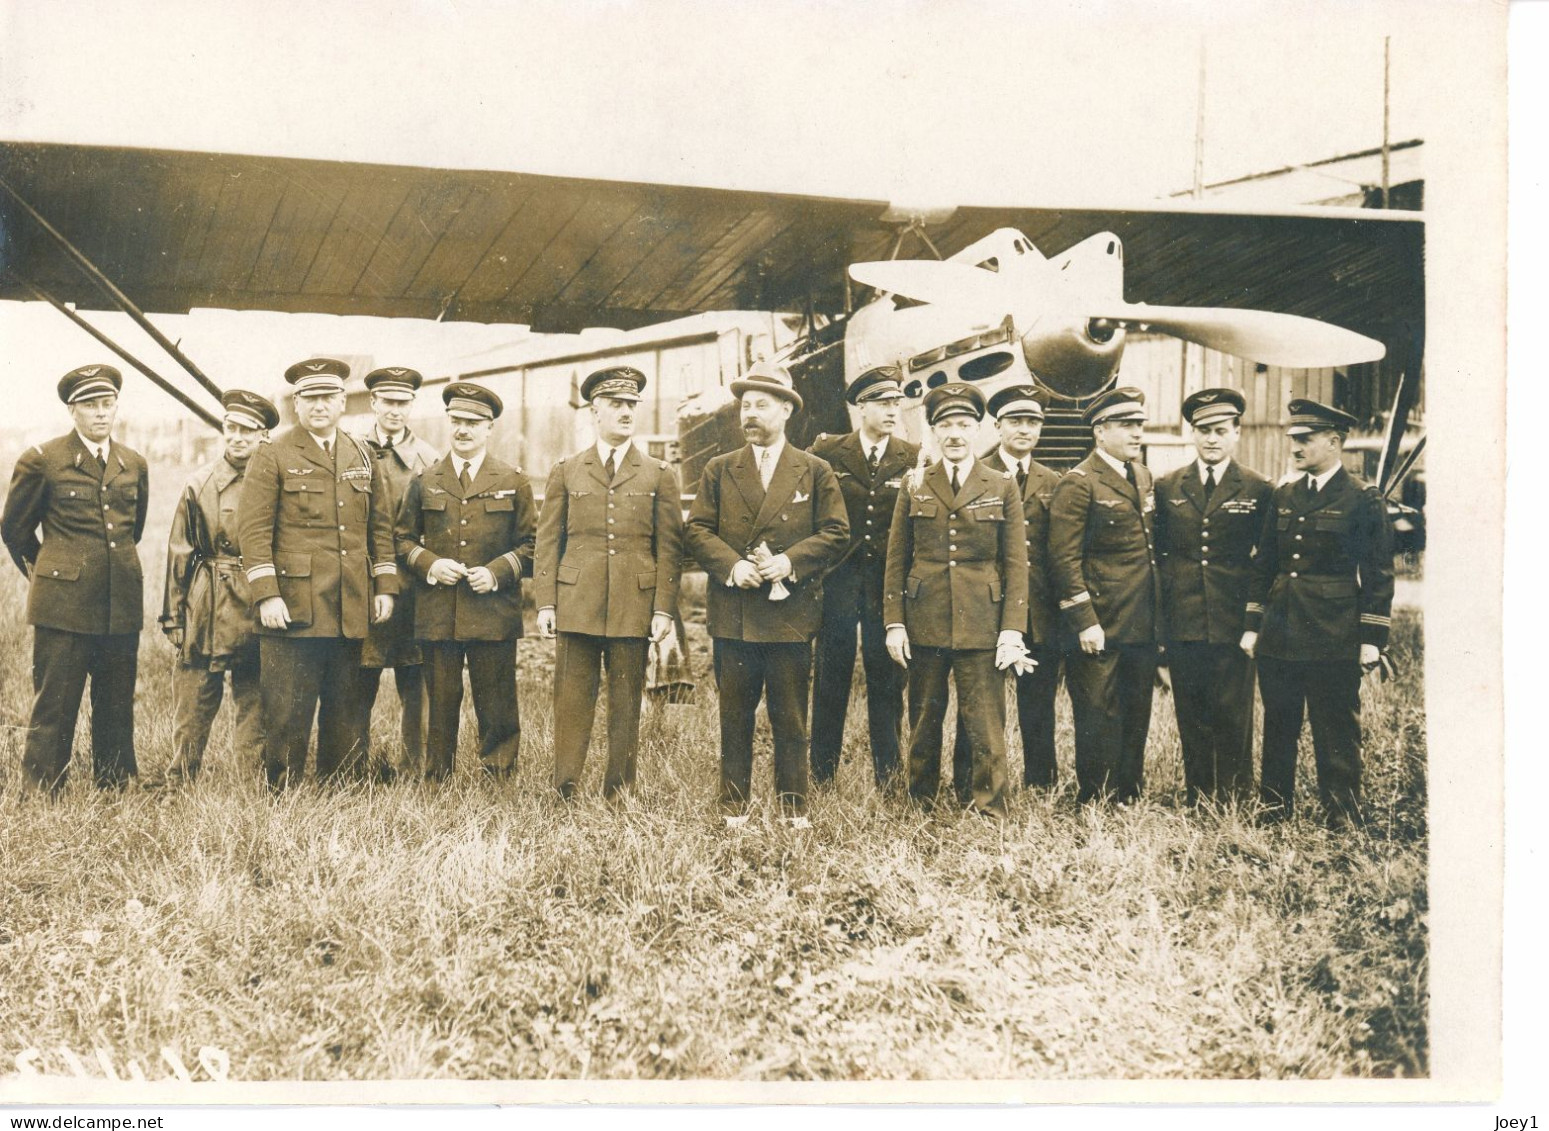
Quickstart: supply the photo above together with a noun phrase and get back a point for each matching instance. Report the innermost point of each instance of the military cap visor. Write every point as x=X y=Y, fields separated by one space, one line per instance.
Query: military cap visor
x=394 y=382
x=954 y=399
x=884 y=382
x=1310 y=416
x=249 y=409
x=621 y=382
x=1122 y=404
x=89 y=381
x=1016 y=400
x=465 y=401
x=319 y=375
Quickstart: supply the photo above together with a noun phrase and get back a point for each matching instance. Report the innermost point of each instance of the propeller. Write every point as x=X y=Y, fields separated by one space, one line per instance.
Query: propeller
x=931 y=280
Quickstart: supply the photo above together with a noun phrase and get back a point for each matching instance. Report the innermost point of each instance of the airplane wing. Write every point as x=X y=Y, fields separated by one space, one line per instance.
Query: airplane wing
x=178 y=230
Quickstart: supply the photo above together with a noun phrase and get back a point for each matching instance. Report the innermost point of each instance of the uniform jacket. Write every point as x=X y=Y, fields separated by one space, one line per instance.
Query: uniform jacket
x=957 y=567
x=317 y=533
x=1322 y=579
x=493 y=525
x=802 y=516
x=205 y=595
x=609 y=555
x=1101 y=551
x=1043 y=608
x=73 y=527
x=392 y=643
x=857 y=581
x=1205 y=552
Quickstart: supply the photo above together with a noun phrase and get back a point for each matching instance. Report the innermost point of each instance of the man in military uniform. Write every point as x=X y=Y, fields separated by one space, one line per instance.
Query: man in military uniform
x=768 y=520
x=1018 y=411
x=1105 y=577
x=1318 y=613
x=610 y=554
x=400 y=455
x=86 y=495
x=206 y=613
x=466 y=531
x=1209 y=514
x=869 y=464
x=956 y=598
x=317 y=545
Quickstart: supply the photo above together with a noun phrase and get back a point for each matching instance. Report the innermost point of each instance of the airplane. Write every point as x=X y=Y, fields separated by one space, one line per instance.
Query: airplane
x=1012 y=293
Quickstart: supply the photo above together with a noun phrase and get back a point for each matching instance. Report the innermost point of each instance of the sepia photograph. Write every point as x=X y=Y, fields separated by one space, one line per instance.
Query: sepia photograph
x=810 y=552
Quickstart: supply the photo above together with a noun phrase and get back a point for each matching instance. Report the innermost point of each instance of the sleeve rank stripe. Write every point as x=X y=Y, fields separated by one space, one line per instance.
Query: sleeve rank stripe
x=1079 y=599
x=382 y=569
x=260 y=571
x=516 y=565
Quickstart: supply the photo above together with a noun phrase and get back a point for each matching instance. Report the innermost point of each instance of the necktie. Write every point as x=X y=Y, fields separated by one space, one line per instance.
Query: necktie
x=102 y=459
x=956 y=481
x=388 y=443
x=1021 y=474
x=875 y=458
x=609 y=466
x=462 y=478
x=763 y=467
x=1210 y=483
x=1129 y=472
x=328 y=448
x=1312 y=483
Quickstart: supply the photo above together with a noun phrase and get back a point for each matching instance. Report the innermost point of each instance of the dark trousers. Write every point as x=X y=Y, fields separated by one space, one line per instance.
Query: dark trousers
x=410 y=683
x=1330 y=691
x=833 y=673
x=578 y=662
x=1035 y=716
x=1213 y=696
x=197 y=693
x=62 y=662
x=297 y=678
x=492 y=676
x=1110 y=696
x=778 y=673
x=981 y=710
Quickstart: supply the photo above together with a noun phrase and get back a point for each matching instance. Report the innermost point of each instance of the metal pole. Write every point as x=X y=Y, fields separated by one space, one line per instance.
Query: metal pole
x=1386 y=45
x=161 y=382
x=120 y=299
x=1199 y=129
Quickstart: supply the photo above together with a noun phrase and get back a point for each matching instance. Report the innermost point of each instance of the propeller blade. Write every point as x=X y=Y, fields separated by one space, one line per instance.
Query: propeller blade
x=932 y=280
x=1287 y=340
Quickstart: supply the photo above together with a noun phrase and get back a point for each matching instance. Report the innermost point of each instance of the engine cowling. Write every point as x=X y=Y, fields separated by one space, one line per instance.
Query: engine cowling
x=1075 y=357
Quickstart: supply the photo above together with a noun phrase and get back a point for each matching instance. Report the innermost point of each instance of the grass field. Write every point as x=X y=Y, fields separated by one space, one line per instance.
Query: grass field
x=487 y=931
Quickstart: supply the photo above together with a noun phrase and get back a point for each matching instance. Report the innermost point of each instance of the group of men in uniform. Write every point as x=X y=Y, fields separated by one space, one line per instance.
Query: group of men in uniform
x=305 y=563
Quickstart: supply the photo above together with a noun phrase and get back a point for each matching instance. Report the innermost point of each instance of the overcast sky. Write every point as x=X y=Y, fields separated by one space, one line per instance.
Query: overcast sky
x=921 y=103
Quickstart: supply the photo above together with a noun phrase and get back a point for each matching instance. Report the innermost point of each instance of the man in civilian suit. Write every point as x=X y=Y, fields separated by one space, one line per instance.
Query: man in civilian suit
x=72 y=522
x=466 y=532
x=610 y=555
x=956 y=598
x=767 y=522
x=1018 y=411
x=1109 y=589
x=1209 y=515
x=869 y=464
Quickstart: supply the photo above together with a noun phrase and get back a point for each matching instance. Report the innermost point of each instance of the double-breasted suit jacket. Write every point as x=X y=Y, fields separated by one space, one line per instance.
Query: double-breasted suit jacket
x=609 y=555
x=1101 y=552
x=1205 y=550
x=493 y=525
x=1043 y=608
x=802 y=515
x=856 y=582
x=318 y=533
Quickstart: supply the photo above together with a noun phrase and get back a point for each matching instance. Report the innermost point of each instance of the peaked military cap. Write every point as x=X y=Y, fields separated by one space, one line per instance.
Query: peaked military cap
x=318 y=375
x=1122 y=403
x=768 y=377
x=955 y=398
x=467 y=400
x=89 y=381
x=621 y=382
x=1310 y=416
x=250 y=408
x=884 y=382
x=1017 y=400
x=394 y=383
x=1210 y=405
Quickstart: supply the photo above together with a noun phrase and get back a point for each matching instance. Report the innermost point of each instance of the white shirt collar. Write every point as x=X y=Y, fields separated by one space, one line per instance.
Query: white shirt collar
x=95 y=448
x=381 y=436
x=1220 y=468
x=963 y=468
x=1116 y=464
x=774 y=449
x=1322 y=480
x=622 y=450
x=473 y=464
x=868 y=445
x=1011 y=461
x=331 y=438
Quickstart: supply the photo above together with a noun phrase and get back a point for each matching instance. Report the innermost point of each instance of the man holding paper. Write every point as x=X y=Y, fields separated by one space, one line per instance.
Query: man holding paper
x=768 y=520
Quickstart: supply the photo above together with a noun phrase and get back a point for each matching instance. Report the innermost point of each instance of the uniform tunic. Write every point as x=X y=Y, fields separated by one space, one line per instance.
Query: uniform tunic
x=852 y=597
x=1103 y=560
x=1322 y=586
x=609 y=557
x=956 y=579
x=72 y=527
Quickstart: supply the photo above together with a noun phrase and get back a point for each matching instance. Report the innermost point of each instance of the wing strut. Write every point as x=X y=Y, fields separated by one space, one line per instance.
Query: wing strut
x=1404 y=398
x=120 y=299
x=166 y=386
